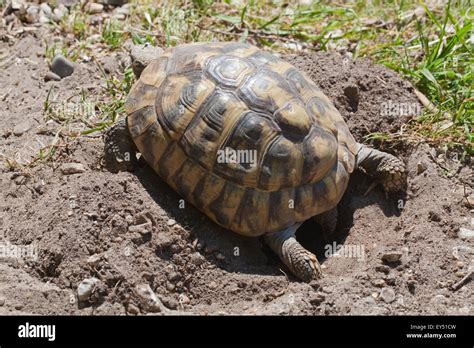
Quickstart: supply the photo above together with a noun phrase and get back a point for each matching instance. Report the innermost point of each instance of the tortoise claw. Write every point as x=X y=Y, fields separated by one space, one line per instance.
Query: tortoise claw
x=392 y=175
x=119 y=149
x=384 y=168
x=302 y=263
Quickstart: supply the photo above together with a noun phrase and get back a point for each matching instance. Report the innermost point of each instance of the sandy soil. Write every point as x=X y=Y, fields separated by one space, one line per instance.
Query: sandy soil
x=82 y=225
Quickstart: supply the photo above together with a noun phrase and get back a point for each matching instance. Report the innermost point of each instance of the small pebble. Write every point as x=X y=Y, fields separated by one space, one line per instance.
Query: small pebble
x=142 y=229
x=183 y=299
x=129 y=219
x=62 y=66
x=388 y=295
x=170 y=303
x=174 y=276
x=383 y=269
x=2 y=301
x=434 y=216
x=390 y=280
x=148 y=299
x=459 y=264
x=68 y=3
x=420 y=168
x=171 y=222
x=94 y=8
x=465 y=233
x=85 y=288
x=17 y=5
x=196 y=259
x=93 y=260
x=369 y=300
x=438 y=299
x=170 y=286
x=46 y=10
x=469 y=201
x=72 y=168
x=392 y=256
x=140 y=218
x=119 y=17
x=132 y=309
x=59 y=12
x=32 y=14
x=121 y=12
x=50 y=76
x=21 y=128
x=43 y=19
x=379 y=283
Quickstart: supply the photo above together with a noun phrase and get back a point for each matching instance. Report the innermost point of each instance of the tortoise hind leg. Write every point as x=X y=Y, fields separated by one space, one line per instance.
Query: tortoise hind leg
x=385 y=168
x=327 y=220
x=302 y=263
x=119 y=149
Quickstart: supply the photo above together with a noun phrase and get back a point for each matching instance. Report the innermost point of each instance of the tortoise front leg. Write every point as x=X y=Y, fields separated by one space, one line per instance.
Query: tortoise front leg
x=302 y=263
x=119 y=149
x=385 y=168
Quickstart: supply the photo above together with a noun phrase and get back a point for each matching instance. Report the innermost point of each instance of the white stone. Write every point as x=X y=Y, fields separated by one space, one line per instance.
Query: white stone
x=46 y=10
x=465 y=233
x=85 y=288
x=148 y=299
x=388 y=295
x=94 y=8
x=22 y=128
x=72 y=168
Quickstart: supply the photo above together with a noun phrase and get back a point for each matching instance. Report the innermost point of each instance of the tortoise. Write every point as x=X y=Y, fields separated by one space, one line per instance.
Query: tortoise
x=194 y=102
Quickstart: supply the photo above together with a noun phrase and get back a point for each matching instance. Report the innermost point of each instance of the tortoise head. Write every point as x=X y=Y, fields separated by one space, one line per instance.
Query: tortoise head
x=142 y=55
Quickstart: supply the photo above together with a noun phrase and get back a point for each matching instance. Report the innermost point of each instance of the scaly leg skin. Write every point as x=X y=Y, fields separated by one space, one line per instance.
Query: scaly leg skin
x=327 y=220
x=119 y=148
x=302 y=263
x=385 y=168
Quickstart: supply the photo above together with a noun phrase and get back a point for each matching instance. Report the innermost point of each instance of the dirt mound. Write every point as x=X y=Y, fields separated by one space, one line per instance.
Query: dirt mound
x=372 y=98
x=128 y=233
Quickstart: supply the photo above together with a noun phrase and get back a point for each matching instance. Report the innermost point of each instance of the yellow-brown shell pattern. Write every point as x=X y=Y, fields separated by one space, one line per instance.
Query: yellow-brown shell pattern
x=198 y=101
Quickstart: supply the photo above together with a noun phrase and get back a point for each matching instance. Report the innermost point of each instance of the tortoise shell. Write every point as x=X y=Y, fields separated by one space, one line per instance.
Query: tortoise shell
x=197 y=101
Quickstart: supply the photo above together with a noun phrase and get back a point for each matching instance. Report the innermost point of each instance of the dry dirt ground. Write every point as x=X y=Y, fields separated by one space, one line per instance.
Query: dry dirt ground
x=82 y=225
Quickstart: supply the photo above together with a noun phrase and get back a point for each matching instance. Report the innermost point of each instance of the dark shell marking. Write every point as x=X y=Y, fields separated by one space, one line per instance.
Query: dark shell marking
x=198 y=100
